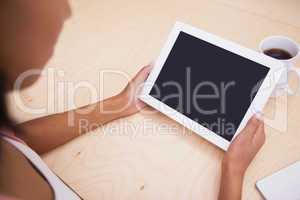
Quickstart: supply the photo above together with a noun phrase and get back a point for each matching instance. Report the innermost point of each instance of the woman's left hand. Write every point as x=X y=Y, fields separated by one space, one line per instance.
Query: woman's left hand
x=129 y=96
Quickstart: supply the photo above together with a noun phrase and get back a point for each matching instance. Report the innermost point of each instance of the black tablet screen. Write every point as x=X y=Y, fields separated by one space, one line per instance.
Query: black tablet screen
x=208 y=84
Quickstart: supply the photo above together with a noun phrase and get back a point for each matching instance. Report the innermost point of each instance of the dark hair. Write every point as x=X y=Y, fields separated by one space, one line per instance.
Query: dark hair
x=5 y=120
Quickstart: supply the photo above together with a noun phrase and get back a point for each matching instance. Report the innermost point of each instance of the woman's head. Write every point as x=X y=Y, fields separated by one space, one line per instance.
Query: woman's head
x=29 y=31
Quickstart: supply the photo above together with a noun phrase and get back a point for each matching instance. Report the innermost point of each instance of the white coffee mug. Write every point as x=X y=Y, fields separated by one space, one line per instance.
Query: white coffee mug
x=290 y=46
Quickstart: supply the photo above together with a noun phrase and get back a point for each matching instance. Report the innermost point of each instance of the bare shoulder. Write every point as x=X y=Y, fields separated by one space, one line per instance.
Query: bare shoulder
x=18 y=175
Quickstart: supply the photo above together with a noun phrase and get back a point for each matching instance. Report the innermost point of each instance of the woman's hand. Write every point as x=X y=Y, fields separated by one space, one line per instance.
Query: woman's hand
x=130 y=102
x=238 y=157
x=245 y=146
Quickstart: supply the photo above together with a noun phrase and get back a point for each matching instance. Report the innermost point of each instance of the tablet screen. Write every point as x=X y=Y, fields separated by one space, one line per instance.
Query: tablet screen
x=208 y=84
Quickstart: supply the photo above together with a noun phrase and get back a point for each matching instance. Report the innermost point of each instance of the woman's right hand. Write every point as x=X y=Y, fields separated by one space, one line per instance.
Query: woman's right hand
x=245 y=146
x=238 y=157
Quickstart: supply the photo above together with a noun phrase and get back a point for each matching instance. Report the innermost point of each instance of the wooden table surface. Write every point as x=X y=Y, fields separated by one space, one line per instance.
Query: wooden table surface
x=123 y=160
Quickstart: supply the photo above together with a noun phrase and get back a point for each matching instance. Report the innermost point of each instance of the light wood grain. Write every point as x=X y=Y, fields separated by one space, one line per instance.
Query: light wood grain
x=123 y=161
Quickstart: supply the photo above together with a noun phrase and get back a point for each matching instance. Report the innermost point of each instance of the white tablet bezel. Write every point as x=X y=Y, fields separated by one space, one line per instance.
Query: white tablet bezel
x=276 y=69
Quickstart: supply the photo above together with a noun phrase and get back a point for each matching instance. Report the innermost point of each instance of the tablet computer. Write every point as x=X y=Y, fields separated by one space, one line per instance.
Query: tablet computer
x=208 y=84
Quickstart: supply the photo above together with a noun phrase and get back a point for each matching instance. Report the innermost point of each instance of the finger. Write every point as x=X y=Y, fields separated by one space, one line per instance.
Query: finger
x=252 y=126
x=141 y=76
x=137 y=83
x=259 y=137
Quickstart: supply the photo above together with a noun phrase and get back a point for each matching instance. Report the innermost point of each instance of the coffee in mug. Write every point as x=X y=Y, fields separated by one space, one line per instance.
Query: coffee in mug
x=280 y=54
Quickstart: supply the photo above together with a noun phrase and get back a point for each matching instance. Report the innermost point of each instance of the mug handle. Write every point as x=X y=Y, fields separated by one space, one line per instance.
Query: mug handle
x=288 y=89
x=297 y=71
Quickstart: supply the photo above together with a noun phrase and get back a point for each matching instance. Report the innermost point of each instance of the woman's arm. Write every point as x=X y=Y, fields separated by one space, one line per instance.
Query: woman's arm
x=47 y=133
x=238 y=157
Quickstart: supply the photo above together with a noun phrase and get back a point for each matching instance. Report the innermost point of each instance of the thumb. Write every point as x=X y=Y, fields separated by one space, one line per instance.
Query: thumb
x=142 y=75
x=251 y=126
